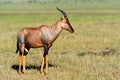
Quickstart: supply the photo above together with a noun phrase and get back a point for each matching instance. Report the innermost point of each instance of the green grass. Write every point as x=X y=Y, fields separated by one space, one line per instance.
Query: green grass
x=91 y=53
x=73 y=56
x=70 y=5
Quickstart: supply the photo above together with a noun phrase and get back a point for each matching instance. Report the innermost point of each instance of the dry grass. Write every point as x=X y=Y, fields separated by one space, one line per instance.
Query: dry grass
x=91 y=53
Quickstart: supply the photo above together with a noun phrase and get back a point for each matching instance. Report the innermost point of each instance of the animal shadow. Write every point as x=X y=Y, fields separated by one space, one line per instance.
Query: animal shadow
x=30 y=66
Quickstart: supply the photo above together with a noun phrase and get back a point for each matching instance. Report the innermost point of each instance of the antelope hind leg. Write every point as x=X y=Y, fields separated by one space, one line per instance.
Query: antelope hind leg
x=20 y=61
x=42 y=66
x=46 y=59
x=24 y=61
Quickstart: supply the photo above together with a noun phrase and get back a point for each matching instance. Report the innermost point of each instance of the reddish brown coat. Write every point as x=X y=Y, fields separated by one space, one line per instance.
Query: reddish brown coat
x=42 y=36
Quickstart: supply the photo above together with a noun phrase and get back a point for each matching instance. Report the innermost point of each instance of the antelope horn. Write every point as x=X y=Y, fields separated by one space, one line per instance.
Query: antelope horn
x=64 y=14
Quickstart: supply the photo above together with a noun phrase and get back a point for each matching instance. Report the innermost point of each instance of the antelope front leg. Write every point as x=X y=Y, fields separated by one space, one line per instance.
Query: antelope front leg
x=45 y=59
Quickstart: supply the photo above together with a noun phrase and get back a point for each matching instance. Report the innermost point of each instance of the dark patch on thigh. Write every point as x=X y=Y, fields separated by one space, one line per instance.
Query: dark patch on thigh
x=20 y=40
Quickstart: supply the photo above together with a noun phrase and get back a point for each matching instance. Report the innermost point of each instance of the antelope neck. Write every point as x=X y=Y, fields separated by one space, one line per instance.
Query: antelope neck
x=56 y=29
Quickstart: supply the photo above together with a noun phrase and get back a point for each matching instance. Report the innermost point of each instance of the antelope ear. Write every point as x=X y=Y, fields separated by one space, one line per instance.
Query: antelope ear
x=62 y=19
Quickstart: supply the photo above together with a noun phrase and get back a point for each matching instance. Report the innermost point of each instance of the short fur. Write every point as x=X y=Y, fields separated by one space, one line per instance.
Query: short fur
x=42 y=36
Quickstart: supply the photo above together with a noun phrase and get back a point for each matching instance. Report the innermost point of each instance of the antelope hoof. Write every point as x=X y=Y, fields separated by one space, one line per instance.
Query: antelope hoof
x=23 y=72
x=42 y=72
x=19 y=71
x=46 y=73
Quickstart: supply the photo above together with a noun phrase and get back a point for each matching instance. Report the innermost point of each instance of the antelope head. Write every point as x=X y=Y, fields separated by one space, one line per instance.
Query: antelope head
x=65 y=24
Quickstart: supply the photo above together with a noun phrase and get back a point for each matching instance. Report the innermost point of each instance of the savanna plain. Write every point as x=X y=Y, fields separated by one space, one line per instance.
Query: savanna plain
x=92 y=52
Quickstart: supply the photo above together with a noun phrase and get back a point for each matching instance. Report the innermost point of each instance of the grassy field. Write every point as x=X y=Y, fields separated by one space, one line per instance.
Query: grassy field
x=91 y=53
x=66 y=4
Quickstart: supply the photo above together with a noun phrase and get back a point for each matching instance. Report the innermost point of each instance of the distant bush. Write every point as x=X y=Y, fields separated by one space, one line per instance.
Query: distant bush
x=8 y=2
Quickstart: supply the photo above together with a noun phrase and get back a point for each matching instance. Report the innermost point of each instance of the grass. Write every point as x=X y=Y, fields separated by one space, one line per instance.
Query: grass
x=48 y=5
x=91 y=53
x=73 y=56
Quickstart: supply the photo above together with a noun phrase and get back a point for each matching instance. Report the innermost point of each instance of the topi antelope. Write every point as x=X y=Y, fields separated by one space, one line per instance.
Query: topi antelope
x=42 y=36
